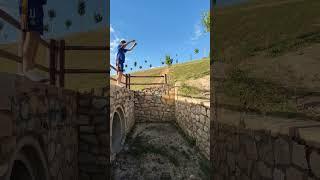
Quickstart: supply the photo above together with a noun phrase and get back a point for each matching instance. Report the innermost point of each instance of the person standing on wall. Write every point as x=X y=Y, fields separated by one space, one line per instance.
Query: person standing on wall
x=121 y=57
x=31 y=15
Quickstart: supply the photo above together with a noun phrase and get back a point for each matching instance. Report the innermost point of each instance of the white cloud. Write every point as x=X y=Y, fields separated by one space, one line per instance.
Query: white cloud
x=197 y=32
x=111 y=29
x=114 y=41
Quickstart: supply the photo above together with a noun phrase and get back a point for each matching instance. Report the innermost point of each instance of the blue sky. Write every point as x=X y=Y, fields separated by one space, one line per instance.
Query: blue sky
x=163 y=27
x=65 y=9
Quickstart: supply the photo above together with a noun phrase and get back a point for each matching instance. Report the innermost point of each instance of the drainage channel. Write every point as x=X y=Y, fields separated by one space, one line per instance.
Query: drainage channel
x=159 y=151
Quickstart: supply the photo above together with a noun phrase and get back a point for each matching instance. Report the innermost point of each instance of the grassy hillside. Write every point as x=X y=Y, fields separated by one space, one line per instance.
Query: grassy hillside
x=183 y=73
x=74 y=59
x=272 y=26
x=267 y=50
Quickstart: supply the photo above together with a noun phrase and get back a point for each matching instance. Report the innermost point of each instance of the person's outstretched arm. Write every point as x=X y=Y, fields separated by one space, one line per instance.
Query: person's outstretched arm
x=132 y=47
x=127 y=43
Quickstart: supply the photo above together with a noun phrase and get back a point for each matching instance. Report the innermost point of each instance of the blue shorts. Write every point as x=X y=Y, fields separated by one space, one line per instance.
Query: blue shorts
x=35 y=16
x=120 y=67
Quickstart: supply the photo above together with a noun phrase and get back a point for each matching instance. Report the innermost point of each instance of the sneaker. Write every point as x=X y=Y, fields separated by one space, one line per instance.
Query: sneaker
x=36 y=76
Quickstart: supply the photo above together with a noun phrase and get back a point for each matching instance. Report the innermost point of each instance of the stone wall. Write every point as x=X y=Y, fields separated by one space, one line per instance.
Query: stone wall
x=155 y=104
x=37 y=123
x=251 y=146
x=124 y=99
x=193 y=117
x=60 y=134
x=94 y=131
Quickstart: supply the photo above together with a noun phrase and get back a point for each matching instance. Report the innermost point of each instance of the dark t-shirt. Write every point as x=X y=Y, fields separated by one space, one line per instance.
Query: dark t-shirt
x=121 y=54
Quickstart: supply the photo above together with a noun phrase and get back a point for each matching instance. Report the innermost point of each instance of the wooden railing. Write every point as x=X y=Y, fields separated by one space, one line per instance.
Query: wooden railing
x=56 y=55
x=128 y=78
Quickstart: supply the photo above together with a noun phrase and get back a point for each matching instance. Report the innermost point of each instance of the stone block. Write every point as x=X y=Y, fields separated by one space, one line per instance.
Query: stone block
x=278 y=174
x=264 y=170
x=6 y=124
x=315 y=163
x=281 y=151
x=294 y=174
x=299 y=155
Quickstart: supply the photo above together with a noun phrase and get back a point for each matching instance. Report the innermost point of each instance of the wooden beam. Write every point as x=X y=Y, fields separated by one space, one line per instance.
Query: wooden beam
x=89 y=48
x=61 y=63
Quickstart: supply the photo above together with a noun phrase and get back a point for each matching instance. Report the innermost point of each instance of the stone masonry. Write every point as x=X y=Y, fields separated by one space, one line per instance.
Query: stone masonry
x=45 y=116
x=155 y=104
x=193 y=117
x=58 y=133
x=250 y=146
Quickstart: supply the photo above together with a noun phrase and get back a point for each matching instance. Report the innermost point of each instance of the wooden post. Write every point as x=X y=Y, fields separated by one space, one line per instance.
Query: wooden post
x=52 y=62
x=126 y=81
x=129 y=81
x=61 y=63
x=165 y=79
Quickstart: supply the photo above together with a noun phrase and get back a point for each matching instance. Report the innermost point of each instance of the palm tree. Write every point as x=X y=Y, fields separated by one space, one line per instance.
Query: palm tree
x=126 y=65
x=51 y=14
x=131 y=69
x=145 y=61
x=150 y=65
x=135 y=64
x=196 y=51
x=97 y=17
x=162 y=62
x=140 y=67
x=68 y=23
x=81 y=7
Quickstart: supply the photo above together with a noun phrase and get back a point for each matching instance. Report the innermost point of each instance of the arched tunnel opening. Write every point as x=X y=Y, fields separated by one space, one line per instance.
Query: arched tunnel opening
x=29 y=164
x=117 y=131
x=20 y=171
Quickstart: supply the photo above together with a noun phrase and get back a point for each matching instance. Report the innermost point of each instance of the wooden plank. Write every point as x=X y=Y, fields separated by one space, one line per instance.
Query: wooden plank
x=52 y=64
x=165 y=79
x=88 y=48
x=147 y=83
x=61 y=63
x=86 y=71
x=9 y=19
x=112 y=67
x=135 y=76
x=12 y=57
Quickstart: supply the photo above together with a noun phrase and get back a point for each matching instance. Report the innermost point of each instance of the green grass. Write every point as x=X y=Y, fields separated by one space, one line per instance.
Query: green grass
x=243 y=33
x=177 y=73
x=74 y=59
x=257 y=94
x=265 y=29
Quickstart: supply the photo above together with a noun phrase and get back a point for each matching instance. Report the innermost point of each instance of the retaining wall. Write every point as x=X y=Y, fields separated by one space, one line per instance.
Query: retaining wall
x=42 y=119
x=155 y=104
x=193 y=117
x=55 y=132
x=251 y=146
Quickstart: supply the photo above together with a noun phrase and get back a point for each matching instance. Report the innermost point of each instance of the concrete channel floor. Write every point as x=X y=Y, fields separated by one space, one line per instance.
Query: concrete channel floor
x=159 y=151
